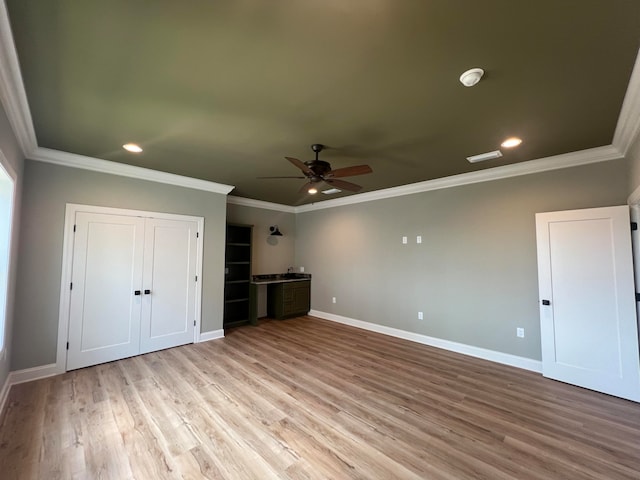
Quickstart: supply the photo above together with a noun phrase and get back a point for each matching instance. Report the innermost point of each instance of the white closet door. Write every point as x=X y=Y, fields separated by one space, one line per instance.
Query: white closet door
x=168 y=309
x=104 y=315
x=587 y=313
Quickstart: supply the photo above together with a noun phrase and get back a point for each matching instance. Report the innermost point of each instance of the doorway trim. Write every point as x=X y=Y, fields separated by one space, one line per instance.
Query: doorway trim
x=67 y=258
x=634 y=212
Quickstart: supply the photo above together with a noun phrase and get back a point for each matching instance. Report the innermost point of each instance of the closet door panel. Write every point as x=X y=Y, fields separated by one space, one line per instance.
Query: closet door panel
x=168 y=309
x=104 y=322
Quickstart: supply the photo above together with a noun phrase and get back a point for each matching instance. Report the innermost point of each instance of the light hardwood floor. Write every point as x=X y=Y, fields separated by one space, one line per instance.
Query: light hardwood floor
x=310 y=399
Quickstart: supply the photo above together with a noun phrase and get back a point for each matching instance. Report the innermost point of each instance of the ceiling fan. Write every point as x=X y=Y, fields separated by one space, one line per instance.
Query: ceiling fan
x=318 y=171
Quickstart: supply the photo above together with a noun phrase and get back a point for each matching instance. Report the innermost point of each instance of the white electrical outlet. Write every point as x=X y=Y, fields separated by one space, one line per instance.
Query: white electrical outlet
x=419 y=239
x=420 y=316
x=404 y=240
x=333 y=300
x=520 y=332
x=301 y=269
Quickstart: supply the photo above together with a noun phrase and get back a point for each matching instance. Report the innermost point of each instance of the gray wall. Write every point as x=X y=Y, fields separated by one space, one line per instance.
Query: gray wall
x=475 y=274
x=47 y=189
x=269 y=254
x=11 y=151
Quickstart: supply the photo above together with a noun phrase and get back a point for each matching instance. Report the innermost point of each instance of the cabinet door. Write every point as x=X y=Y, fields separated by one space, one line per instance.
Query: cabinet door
x=168 y=309
x=301 y=297
x=104 y=314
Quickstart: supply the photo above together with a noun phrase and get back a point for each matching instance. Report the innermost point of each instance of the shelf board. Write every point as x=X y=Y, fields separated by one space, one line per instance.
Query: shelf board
x=238 y=263
x=236 y=300
x=237 y=281
x=236 y=244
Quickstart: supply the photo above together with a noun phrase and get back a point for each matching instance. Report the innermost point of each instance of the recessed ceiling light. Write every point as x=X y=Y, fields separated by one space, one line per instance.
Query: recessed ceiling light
x=132 y=147
x=511 y=142
x=313 y=190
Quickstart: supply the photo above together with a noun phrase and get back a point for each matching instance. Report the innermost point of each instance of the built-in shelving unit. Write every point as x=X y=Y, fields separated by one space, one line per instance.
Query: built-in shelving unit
x=237 y=277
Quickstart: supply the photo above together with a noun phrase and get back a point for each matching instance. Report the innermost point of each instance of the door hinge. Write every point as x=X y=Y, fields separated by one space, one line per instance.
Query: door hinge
x=71 y=286
x=634 y=226
x=194 y=323
x=67 y=345
x=196 y=278
x=197 y=234
x=74 y=229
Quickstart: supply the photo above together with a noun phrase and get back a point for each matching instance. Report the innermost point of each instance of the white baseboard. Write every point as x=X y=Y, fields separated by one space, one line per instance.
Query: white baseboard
x=212 y=335
x=491 y=355
x=35 y=373
x=4 y=394
x=26 y=375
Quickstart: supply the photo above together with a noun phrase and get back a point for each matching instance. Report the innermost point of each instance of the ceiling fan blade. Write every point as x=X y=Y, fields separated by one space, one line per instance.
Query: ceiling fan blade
x=342 y=185
x=300 y=165
x=350 y=171
x=300 y=178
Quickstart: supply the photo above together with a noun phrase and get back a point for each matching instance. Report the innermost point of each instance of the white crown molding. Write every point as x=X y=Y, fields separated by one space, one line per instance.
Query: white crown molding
x=105 y=166
x=628 y=127
x=485 y=354
x=249 y=202
x=634 y=198
x=573 y=159
x=12 y=93
x=14 y=99
x=556 y=162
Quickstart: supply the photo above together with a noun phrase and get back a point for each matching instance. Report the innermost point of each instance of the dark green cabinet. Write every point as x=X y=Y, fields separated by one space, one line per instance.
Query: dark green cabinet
x=237 y=278
x=289 y=299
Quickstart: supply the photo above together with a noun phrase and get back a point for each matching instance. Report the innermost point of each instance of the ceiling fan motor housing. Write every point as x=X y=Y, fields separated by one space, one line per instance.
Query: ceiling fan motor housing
x=319 y=168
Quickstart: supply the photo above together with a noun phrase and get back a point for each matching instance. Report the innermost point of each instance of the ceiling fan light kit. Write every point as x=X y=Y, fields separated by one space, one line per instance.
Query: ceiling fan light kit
x=471 y=77
x=318 y=171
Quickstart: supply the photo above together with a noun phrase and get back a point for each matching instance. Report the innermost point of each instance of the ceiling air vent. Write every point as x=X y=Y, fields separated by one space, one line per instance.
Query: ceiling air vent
x=485 y=156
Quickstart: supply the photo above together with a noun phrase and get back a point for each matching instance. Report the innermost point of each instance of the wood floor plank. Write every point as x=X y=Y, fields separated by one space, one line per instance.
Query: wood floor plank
x=310 y=399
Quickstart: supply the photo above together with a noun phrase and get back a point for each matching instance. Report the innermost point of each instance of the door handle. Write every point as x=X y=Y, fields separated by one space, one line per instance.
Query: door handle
x=136 y=292
x=546 y=302
x=147 y=292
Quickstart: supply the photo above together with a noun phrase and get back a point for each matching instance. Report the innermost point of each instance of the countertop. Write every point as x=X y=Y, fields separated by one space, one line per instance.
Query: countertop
x=279 y=278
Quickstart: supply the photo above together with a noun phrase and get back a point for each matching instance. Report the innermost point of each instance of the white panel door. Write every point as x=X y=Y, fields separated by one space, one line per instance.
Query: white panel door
x=588 y=320
x=104 y=314
x=169 y=284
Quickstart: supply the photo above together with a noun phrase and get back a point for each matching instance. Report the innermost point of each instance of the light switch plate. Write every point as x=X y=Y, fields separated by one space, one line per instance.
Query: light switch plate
x=520 y=332
x=419 y=239
x=404 y=240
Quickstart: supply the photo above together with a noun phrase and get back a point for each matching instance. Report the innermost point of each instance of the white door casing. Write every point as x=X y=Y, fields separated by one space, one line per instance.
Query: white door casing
x=588 y=328
x=104 y=257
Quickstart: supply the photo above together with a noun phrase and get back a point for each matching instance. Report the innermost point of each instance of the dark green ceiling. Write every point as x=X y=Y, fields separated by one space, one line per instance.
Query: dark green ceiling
x=223 y=90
